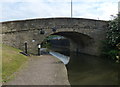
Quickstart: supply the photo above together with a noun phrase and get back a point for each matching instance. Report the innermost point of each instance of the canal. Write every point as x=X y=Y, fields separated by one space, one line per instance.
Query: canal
x=90 y=70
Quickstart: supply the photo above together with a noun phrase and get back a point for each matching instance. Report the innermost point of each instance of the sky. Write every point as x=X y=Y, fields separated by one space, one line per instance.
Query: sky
x=30 y=9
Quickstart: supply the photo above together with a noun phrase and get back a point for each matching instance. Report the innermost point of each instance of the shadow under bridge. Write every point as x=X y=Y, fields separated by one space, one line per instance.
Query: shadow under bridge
x=79 y=42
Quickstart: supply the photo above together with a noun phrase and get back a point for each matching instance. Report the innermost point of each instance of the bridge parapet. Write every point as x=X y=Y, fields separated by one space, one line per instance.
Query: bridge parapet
x=15 y=33
x=58 y=23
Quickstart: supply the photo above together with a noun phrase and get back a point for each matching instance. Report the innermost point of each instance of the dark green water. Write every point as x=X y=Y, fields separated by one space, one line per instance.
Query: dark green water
x=91 y=70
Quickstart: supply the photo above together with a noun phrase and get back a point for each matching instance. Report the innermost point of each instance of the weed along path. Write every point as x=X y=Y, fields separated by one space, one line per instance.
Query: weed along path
x=41 y=70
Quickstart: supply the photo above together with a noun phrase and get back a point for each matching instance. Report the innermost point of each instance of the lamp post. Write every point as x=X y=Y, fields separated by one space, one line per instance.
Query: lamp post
x=71 y=8
x=26 y=47
x=119 y=7
x=118 y=15
x=39 y=46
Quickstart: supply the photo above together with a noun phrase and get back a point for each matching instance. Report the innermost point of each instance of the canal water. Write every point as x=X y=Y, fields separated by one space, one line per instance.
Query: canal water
x=63 y=58
x=90 y=70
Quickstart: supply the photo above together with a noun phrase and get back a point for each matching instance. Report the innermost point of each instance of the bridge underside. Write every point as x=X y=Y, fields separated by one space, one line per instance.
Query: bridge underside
x=79 y=42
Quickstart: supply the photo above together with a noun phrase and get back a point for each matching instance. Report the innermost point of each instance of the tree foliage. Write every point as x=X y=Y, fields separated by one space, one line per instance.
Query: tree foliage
x=112 y=43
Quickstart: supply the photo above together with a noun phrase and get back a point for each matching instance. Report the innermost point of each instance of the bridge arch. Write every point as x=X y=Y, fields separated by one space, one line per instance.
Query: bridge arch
x=89 y=31
x=78 y=41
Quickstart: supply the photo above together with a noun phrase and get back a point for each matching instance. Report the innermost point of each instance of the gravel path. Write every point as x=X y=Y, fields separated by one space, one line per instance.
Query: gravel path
x=41 y=70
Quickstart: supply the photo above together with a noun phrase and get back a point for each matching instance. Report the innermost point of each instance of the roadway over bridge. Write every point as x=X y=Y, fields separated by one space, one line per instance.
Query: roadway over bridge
x=85 y=35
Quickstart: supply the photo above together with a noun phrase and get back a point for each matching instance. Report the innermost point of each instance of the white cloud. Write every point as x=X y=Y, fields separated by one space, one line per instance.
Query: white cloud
x=95 y=10
x=108 y=9
x=59 y=0
x=19 y=9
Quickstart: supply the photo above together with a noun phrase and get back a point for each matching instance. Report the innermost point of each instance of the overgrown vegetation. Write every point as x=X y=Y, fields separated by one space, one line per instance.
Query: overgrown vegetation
x=47 y=44
x=11 y=61
x=112 y=43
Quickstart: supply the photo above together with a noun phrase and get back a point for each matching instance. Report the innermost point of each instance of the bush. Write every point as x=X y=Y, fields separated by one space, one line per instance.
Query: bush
x=110 y=48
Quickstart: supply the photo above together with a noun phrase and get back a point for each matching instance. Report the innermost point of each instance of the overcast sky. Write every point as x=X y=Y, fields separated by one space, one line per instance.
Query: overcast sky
x=30 y=9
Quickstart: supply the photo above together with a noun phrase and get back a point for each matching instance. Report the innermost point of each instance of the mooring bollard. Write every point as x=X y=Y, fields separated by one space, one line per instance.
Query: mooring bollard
x=39 y=46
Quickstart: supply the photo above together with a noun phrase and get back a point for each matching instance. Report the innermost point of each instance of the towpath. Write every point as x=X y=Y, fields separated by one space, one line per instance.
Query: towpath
x=41 y=70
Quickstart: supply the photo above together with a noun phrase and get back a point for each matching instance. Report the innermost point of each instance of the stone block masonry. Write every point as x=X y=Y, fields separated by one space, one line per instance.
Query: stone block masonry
x=85 y=34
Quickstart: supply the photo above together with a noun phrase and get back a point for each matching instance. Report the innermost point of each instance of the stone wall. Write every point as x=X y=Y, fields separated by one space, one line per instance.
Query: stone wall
x=16 y=33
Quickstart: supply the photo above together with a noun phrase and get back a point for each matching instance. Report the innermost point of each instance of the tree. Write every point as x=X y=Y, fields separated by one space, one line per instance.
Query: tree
x=112 y=43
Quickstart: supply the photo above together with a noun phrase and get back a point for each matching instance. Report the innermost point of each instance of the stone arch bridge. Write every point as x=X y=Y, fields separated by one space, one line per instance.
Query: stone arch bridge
x=85 y=35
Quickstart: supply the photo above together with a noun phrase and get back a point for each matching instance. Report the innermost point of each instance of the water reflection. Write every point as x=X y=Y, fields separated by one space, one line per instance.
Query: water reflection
x=90 y=70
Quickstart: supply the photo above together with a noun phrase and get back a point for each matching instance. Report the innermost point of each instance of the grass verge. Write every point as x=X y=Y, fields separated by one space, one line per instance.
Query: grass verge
x=11 y=61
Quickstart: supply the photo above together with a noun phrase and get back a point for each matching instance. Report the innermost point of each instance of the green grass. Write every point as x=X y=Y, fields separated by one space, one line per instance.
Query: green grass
x=11 y=61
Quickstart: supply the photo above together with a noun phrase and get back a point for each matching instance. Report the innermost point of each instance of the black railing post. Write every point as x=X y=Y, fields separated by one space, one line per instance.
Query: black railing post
x=26 y=47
